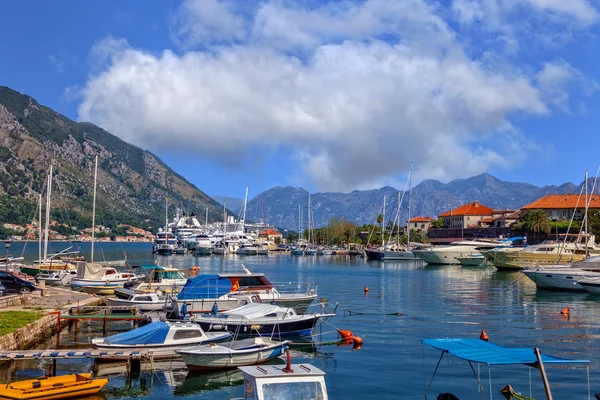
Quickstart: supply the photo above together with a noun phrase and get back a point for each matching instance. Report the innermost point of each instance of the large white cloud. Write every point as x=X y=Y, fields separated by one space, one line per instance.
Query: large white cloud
x=355 y=90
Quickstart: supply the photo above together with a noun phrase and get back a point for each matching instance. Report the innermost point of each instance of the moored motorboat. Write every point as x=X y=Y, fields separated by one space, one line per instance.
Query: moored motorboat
x=141 y=301
x=448 y=254
x=260 y=319
x=160 y=338
x=55 y=387
x=475 y=260
x=58 y=278
x=95 y=274
x=233 y=354
x=201 y=293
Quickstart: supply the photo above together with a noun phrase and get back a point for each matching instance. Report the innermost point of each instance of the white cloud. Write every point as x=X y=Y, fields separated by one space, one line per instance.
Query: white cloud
x=203 y=22
x=579 y=10
x=353 y=107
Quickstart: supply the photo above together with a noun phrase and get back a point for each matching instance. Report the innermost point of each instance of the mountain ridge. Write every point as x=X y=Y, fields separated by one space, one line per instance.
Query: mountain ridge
x=132 y=182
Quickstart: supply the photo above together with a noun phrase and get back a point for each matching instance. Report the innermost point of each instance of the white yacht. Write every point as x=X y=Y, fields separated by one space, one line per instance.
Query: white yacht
x=449 y=254
x=565 y=277
x=164 y=242
x=95 y=274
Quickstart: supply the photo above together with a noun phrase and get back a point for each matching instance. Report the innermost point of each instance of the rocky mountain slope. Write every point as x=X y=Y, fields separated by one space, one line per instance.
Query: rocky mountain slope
x=429 y=198
x=132 y=182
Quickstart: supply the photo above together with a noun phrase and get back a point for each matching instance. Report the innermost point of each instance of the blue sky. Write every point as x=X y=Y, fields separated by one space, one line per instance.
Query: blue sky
x=330 y=96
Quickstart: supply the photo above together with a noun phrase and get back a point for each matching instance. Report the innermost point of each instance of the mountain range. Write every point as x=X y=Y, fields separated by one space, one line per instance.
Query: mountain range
x=132 y=183
x=428 y=198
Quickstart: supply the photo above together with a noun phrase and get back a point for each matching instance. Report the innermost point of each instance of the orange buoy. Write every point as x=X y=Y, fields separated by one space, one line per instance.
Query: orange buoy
x=366 y=289
x=357 y=340
x=345 y=334
x=484 y=336
x=345 y=342
x=565 y=311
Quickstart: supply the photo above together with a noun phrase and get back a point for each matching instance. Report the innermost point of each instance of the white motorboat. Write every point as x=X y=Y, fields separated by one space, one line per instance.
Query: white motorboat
x=229 y=290
x=398 y=254
x=449 y=254
x=160 y=338
x=232 y=354
x=58 y=278
x=141 y=301
x=278 y=382
x=164 y=279
x=247 y=249
x=591 y=285
x=262 y=319
x=564 y=277
x=95 y=274
x=476 y=260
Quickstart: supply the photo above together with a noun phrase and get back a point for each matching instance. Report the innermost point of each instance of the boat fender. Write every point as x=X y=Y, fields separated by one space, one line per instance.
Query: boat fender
x=565 y=311
x=345 y=334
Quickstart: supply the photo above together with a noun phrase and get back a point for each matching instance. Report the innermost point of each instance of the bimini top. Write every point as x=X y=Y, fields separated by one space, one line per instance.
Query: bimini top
x=480 y=351
x=252 y=311
x=153 y=333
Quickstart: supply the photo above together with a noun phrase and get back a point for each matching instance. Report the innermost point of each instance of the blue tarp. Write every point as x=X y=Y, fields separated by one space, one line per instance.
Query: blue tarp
x=480 y=351
x=205 y=287
x=153 y=333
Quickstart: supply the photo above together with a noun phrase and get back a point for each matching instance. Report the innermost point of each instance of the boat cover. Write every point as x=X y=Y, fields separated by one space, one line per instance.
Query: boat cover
x=252 y=311
x=153 y=333
x=480 y=351
x=205 y=287
x=88 y=270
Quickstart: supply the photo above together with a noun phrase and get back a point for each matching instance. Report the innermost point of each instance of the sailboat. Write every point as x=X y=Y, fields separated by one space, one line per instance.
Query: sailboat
x=63 y=260
x=310 y=250
x=399 y=253
x=376 y=253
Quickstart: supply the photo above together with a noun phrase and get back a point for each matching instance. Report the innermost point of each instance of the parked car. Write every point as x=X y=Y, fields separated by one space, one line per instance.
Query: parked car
x=14 y=284
x=2 y=290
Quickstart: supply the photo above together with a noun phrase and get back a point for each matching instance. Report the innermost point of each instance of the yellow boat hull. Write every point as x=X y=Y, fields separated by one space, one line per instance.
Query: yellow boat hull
x=57 y=387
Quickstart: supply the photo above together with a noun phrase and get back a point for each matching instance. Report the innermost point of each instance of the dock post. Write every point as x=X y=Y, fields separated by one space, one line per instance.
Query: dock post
x=136 y=366
x=105 y=322
x=543 y=372
x=52 y=368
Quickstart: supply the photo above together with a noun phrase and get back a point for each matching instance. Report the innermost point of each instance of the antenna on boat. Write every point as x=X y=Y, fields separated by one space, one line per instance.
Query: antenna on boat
x=246 y=270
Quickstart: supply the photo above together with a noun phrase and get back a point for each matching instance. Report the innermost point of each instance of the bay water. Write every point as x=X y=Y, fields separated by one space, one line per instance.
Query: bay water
x=406 y=302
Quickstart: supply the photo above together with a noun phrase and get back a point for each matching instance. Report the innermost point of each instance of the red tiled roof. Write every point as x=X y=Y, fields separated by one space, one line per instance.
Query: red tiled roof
x=270 y=232
x=515 y=215
x=420 y=219
x=487 y=220
x=560 y=201
x=474 y=208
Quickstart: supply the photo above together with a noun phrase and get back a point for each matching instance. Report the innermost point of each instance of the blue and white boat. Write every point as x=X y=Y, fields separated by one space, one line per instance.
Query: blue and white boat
x=160 y=338
x=260 y=319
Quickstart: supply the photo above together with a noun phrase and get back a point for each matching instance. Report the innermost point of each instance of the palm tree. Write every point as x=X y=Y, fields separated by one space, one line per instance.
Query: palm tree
x=536 y=221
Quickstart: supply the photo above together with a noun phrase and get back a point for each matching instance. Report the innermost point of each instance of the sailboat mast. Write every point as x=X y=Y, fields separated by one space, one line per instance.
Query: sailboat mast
x=586 y=215
x=48 y=194
x=40 y=228
x=206 y=220
x=383 y=224
x=399 y=222
x=224 y=214
x=245 y=205
x=308 y=236
x=166 y=222
x=94 y=208
x=409 y=206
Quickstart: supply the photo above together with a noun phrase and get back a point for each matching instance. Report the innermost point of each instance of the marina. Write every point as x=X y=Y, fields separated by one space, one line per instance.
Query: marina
x=406 y=302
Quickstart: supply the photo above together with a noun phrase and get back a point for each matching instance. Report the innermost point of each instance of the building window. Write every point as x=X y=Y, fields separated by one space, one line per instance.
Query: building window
x=564 y=214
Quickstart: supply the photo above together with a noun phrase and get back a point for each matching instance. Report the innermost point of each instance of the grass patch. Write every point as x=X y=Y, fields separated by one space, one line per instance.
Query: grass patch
x=13 y=320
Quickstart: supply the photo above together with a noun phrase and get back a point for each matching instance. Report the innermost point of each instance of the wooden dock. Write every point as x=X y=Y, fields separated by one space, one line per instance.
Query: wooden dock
x=71 y=353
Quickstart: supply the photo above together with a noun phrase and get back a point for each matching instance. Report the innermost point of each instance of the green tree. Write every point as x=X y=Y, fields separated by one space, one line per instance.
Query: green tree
x=536 y=221
x=438 y=223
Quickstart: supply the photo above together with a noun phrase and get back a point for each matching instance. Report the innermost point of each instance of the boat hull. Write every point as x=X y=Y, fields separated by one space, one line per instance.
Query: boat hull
x=300 y=303
x=591 y=285
x=222 y=359
x=99 y=290
x=301 y=327
x=518 y=260
x=442 y=258
x=34 y=271
x=473 y=261
x=399 y=255
x=203 y=251
x=160 y=351
x=558 y=279
x=374 y=255
x=142 y=305
x=58 y=387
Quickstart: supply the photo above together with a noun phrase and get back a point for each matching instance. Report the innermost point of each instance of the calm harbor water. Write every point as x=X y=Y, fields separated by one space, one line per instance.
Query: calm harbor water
x=435 y=302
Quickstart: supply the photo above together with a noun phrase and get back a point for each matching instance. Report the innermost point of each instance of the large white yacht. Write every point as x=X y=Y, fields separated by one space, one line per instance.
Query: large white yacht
x=448 y=254
x=564 y=277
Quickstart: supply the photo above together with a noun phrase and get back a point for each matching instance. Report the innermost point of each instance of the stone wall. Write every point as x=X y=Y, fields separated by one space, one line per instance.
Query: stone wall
x=17 y=300
x=29 y=335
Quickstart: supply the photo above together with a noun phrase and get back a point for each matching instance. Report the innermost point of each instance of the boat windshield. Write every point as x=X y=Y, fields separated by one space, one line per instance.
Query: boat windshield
x=293 y=390
x=161 y=274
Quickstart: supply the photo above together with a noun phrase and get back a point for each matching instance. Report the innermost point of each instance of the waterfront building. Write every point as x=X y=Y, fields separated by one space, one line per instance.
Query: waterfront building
x=467 y=215
x=563 y=206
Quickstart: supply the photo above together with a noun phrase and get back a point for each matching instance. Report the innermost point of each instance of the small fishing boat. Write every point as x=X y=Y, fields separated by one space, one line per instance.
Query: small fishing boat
x=104 y=290
x=263 y=319
x=143 y=301
x=161 y=338
x=96 y=274
x=232 y=354
x=277 y=382
x=56 y=387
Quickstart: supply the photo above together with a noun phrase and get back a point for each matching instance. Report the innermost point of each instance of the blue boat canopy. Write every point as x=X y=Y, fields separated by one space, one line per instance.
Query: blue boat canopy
x=205 y=287
x=480 y=351
x=153 y=333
